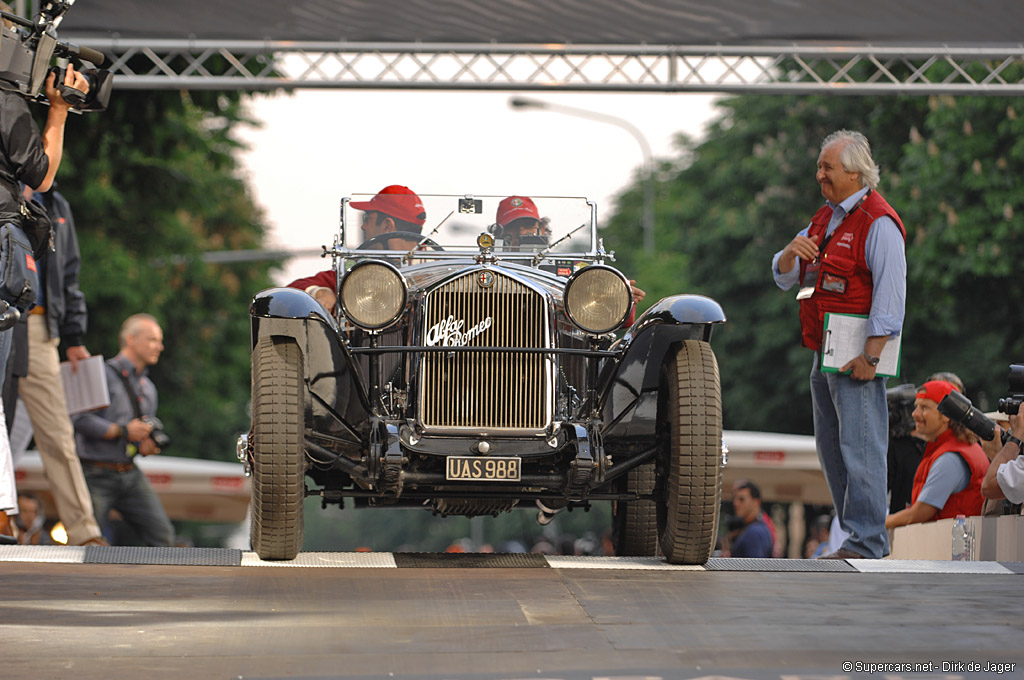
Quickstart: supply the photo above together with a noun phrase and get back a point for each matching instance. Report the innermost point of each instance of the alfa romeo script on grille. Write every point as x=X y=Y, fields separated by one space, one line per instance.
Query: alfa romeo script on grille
x=448 y=332
x=474 y=468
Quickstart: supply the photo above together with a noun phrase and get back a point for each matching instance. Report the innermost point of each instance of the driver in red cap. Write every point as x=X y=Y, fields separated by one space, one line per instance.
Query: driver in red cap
x=949 y=476
x=394 y=210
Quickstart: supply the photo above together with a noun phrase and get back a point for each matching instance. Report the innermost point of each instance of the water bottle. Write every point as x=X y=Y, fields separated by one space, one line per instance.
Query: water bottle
x=960 y=542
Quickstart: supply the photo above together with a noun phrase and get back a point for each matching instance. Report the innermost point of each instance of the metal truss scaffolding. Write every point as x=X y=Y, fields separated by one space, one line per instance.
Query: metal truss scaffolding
x=793 y=69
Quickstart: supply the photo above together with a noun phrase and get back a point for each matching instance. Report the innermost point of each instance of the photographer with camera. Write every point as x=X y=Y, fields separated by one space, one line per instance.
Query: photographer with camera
x=110 y=438
x=1005 y=475
x=949 y=477
x=905 y=446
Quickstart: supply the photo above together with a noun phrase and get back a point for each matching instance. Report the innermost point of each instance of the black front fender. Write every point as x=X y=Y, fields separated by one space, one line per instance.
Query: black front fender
x=680 y=310
x=337 y=398
x=629 y=385
x=287 y=303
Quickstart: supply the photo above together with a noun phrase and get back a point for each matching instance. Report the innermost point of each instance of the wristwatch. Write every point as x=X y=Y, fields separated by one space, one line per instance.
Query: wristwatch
x=1019 y=443
x=870 y=359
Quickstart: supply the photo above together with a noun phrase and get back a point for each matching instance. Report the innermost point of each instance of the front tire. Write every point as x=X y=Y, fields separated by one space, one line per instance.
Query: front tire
x=279 y=459
x=691 y=455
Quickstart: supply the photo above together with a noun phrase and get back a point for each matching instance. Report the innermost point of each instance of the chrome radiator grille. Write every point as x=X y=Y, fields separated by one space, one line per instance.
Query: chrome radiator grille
x=492 y=390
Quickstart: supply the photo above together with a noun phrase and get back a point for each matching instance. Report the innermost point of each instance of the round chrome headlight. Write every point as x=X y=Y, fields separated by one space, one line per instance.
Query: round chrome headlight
x=598 y=299
x=373 y=294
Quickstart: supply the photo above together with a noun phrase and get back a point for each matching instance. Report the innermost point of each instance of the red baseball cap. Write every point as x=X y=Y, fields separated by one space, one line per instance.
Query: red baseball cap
x=935 y=390
x=514 y=207
x=397 y=201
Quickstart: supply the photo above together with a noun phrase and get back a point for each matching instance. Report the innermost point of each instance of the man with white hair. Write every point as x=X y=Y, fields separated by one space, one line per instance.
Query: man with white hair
x=850 y=260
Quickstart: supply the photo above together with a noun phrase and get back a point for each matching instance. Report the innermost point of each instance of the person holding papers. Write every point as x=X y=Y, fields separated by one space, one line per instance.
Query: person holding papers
x=850 y=260
x=59 y=317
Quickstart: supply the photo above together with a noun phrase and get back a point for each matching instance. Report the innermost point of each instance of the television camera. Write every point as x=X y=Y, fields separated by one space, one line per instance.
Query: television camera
x=28 y=48
x=901 y=409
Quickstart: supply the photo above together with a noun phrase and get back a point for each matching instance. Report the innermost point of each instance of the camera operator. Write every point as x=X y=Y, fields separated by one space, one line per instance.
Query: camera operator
x=30 y=158
x=948 y=480
x=1005 y=476
x=33 y=160
x=109 y=439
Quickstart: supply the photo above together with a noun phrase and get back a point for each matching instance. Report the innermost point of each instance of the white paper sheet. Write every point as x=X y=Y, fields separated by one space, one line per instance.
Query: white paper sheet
x=86 y=388
x=844 y=339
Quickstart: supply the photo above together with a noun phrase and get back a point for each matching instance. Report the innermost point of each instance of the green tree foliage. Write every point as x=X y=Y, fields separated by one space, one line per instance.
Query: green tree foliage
x=950 y=166
x=154 y=182
x=960 y=194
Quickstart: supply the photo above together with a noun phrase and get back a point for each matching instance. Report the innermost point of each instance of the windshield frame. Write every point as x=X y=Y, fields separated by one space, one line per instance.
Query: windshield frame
x=349 y=228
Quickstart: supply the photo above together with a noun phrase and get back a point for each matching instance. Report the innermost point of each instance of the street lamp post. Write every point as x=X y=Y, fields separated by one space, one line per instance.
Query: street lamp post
x=645 y=149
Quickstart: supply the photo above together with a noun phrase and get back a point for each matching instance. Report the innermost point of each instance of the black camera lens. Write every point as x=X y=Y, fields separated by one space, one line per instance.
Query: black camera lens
x=1010 y=405
x=1016 y=377
x=958 y=408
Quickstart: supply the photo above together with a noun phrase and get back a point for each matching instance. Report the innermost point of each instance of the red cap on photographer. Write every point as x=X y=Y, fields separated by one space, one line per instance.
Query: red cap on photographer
x=936 y=390
x=397 y=201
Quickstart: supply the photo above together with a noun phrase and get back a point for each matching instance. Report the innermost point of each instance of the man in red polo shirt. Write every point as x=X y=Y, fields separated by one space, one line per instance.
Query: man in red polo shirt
x=949 y=477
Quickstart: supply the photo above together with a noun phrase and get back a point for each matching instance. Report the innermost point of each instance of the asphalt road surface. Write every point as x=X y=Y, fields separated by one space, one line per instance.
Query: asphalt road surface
x=178 y=614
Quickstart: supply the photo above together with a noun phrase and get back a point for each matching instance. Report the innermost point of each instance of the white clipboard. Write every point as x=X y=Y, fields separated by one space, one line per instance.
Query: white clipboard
x=843 y=339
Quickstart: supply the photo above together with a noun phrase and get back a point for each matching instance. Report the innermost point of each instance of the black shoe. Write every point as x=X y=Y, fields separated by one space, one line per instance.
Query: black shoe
x=8 y=540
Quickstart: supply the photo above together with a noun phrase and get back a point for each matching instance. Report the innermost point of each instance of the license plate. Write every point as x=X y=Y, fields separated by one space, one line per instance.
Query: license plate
x=479 y=469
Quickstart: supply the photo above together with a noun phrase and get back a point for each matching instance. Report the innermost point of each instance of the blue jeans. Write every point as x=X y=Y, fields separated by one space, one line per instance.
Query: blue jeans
x=131 y=495
x=851 y=433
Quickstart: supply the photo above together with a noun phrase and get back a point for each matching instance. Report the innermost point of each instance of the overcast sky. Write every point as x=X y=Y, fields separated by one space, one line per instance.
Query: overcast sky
x=317 y=146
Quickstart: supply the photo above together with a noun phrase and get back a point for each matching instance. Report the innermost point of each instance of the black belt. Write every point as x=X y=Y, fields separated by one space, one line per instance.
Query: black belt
x=116 y=467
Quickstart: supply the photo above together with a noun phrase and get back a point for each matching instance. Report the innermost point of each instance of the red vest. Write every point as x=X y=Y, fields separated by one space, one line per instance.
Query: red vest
x=967 y=502
x=844 y=282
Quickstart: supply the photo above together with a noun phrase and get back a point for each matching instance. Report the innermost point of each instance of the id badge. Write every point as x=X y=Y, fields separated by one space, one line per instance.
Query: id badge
x=809 y=281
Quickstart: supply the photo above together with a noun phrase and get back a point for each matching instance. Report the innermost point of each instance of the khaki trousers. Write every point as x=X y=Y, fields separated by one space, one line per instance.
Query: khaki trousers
x=42 y=392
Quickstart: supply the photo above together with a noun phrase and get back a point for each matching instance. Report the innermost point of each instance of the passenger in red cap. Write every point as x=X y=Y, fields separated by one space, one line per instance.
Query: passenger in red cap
x=517 y=217
x=949 y=477
x=517 y=220
x=394 y=210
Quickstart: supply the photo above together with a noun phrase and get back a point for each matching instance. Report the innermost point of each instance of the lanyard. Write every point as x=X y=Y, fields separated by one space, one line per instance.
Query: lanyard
x=853 y=209
x=813 y=269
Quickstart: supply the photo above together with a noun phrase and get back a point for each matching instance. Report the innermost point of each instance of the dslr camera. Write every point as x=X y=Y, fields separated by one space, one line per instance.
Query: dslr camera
x=157 y=434
x=27 y=49
x=1011 y=405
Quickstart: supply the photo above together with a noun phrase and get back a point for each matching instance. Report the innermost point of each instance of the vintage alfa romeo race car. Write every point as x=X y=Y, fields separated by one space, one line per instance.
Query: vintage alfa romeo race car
x=473 y=372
